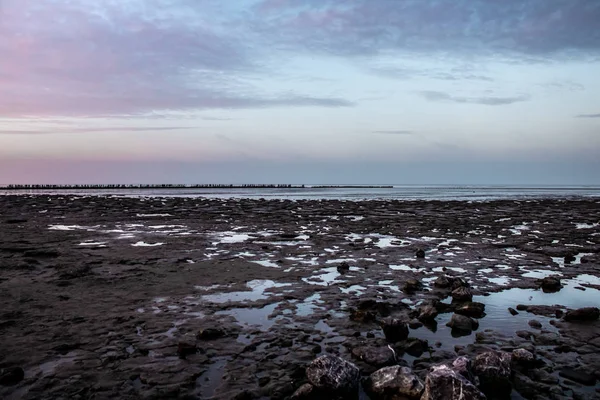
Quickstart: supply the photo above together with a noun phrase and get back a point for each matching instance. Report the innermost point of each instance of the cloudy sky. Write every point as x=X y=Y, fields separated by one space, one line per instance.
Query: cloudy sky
x=300 y=91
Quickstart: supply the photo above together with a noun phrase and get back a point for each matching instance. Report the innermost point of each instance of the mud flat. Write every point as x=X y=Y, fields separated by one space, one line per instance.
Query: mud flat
x=110 y=297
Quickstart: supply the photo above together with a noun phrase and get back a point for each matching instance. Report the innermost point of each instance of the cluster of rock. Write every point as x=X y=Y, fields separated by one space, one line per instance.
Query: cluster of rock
x=488 y=374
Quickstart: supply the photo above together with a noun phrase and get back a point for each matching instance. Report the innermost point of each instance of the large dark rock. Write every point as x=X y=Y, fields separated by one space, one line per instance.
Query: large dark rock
x=210 y=334
x=550 y=284
x=343 y=267
x=462 y=293
x=578 y=376
x=376 y=356
x=333 y=374
x=443 y=383
x=412 y=285
x=534 y=323
x=471 y=309
x=305 y=391
x=462 y=323
x=442 y=282
x=523 y=357
x=427 y=313
x=11 y=376
x=420 y=253
x=493 y=370
x=583 y=314
x=394 y=329
x=463 y=366
x=512 y=311
x=394 y=383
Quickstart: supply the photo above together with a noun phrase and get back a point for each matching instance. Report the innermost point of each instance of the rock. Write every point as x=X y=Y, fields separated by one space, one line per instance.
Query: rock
x=578 y=376
x=414 y=324
x=394 y=382
x=534 y=323
x=420 y=253
x=394 y=330
x=442 y=282
x=569 y=258
x=185 y=349
x=303 y=392
x=427 y=313
x=471 y=309
x=210 y=334
x=443 y=383
x=540 y=375
x=412 y=285
x=333 y=374
x=462 y=365
x=493 y=370
x=11 y=376
x=415 y=347
x=583 y=314
x=343 y=267
x=512 y=311
x=376 y=356
x=462 y=323
x=462 y=294
x=550 y=284
x=523 y=357
x=362 y=315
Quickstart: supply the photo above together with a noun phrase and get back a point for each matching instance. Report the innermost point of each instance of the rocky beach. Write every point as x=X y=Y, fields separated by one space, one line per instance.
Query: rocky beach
x=105 y=297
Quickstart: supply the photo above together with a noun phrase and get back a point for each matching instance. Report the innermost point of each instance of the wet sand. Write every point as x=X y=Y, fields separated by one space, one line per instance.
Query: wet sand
x=108 y=297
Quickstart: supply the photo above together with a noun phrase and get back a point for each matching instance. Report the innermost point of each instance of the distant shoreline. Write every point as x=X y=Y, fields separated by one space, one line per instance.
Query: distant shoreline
x=182 y=186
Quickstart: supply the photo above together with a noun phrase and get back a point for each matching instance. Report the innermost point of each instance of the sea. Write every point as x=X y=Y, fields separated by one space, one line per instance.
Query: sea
x=342 y=192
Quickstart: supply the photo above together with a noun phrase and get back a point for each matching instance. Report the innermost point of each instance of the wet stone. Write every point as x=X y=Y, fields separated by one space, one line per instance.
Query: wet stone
x=493 y=370
x=462 y=323
x=394 y=330
x=11 y=376
x=512 y=311
x=443 y=383
x=333 y=374
x=394 y=382
x=550 y=284
x=583 y=314
x=376 y=356
x=535 y=324
x=471 y=309
x=523 y=357
x=578 y=376
x=462 y=294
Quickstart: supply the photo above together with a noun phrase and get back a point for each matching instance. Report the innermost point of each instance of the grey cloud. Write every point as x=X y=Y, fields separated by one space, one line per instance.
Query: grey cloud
x=588 y=116
x=408 y=73
x=513 y=28
x=484 y=100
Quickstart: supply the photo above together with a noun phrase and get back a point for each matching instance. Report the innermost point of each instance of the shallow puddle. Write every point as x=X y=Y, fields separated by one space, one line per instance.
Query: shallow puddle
x=257 y=292
x=257 y=317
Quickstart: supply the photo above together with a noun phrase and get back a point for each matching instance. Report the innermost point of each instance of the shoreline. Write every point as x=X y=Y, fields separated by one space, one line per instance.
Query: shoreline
x=105 y=293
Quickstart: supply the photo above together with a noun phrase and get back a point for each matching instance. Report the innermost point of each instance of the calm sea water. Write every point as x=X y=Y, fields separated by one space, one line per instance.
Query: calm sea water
x=398 y=192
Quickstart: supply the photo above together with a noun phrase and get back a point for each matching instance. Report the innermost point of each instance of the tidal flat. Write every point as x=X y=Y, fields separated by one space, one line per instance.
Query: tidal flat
x=106 y=297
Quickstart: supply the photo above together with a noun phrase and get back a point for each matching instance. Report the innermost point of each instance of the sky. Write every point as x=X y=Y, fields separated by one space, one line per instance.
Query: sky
x=290 y=91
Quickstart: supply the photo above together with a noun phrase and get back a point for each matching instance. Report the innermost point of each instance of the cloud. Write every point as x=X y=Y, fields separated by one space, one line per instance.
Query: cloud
x=56 y=130
x=439 y=74
x=588 y=116
x=484 y=100
x=81 y=58
x=395 y=132
x=510 y=28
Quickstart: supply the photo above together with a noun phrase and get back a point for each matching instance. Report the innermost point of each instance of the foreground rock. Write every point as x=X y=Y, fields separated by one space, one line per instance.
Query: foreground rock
x=583 y=314
x=394 y=330
x=523 y=357
x=394 y=383
x=443 y=383
x=462 y=323
x=333 y=374
x=376 y=356
x=493 y=370
x=11 y=376
x=550 y=284
x=462 y=294
x=471 y=309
